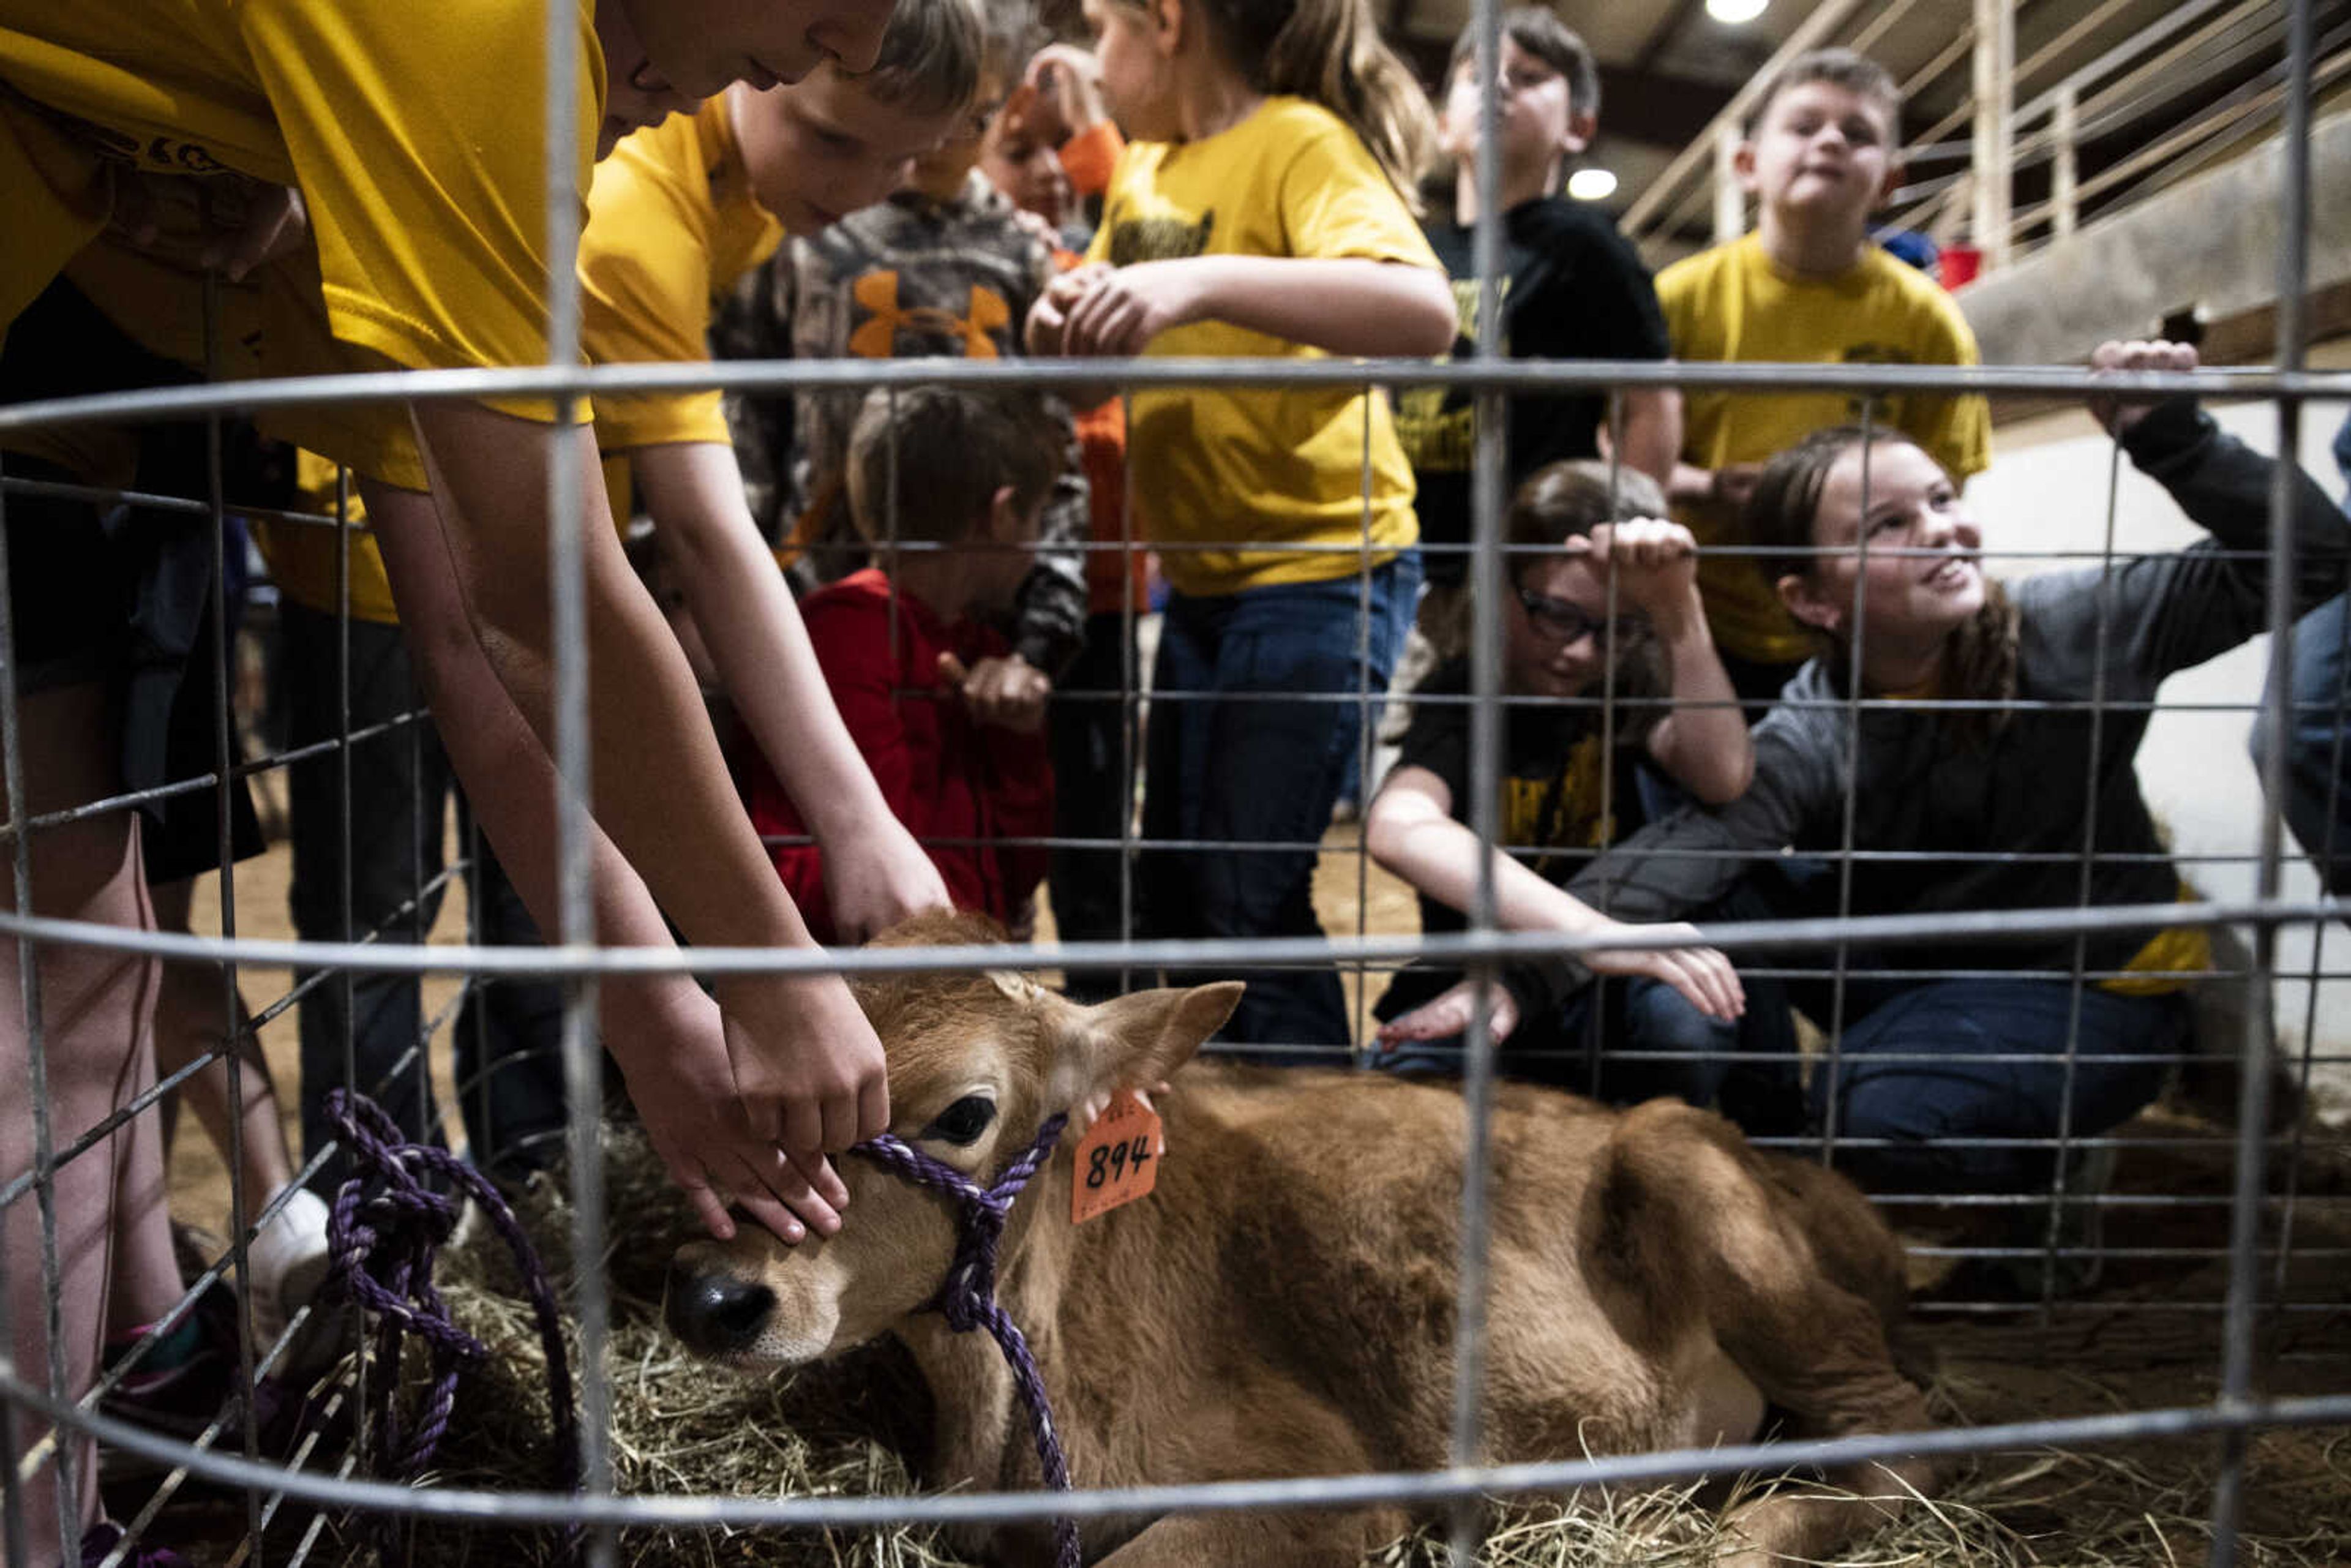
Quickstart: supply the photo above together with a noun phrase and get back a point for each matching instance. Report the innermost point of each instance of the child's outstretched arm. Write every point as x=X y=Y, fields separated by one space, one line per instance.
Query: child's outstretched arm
x=1702 y=744
x=1411 y=831
x=877 y=875
x=1342 y=305
x=2160 y=613
x=807 y=1066
x=667 y=1036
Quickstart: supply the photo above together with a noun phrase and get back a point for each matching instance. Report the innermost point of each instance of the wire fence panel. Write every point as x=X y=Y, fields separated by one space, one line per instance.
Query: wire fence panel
x=304 y=1468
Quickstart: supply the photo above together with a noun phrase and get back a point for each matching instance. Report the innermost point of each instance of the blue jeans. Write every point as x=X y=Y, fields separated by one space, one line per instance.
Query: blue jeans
x=1258 y=771
x=1921 y=1107
x=509 y=1070
x=2317 y=803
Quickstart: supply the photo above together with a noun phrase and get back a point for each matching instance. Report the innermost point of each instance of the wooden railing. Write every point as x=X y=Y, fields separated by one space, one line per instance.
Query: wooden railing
x=1965 y=166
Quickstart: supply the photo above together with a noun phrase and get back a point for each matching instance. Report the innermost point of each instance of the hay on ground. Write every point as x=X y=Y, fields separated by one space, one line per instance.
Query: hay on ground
x=856 y=1427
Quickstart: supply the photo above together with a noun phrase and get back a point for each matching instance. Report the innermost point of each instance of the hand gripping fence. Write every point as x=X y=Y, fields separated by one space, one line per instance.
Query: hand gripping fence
x=967 y=1297
x=382 y=1235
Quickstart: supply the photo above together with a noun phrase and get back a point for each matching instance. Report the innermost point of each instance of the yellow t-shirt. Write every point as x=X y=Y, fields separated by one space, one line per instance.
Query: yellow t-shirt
x=1733 y=303
x=417 y=143
x=1275 y=466
x=2170 y=953
x=301 y=556
x=672 y=224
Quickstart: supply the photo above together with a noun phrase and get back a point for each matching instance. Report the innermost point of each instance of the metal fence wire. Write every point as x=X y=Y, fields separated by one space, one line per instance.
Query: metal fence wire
x=2268 y=1162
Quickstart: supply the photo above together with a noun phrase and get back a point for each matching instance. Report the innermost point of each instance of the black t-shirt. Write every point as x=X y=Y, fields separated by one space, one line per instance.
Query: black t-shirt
x=1573 y=289
x=1551 y=809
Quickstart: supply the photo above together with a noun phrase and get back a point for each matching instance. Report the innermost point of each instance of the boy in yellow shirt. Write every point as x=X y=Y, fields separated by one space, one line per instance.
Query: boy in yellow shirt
x=678 y=212
x=1807 y=287
x=418 y=155
x=679 y=215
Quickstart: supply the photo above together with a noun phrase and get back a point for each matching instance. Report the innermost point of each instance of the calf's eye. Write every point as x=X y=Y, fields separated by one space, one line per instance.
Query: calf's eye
x=964 y=1120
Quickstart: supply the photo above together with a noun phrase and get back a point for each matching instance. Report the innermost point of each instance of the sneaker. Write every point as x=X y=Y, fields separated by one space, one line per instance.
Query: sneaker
x=287 y=1260
x=101 y=1540
x=189 y=1379
x=183 y=1380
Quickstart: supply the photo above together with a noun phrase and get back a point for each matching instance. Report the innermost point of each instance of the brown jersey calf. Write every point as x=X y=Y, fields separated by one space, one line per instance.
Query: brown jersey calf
x=1283 y=1303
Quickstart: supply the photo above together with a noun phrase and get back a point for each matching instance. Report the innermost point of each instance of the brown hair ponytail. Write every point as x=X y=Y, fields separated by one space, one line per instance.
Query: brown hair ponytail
x=1330 y=52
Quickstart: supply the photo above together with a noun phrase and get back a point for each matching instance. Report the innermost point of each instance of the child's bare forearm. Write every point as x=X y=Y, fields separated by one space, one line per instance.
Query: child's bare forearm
x=1652 y=432
x=878 y=875
x=510 y=779
x=745 y=612
x=1439 y=856
x=661 y=788
x=1703 y=743
x=1345 y=305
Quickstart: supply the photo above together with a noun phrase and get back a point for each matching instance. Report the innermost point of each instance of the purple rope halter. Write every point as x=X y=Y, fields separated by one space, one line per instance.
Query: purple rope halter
x=383 y=1243
x=967 y=1297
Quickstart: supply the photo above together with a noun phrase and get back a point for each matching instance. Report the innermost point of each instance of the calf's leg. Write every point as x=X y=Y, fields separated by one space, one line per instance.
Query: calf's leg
x=1688 y=1212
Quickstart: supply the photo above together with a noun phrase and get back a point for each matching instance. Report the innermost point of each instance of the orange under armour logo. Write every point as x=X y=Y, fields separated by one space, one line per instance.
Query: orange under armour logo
x=877 y=292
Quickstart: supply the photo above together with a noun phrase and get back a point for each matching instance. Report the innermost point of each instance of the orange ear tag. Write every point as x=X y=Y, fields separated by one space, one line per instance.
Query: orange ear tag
x=1118 y=1159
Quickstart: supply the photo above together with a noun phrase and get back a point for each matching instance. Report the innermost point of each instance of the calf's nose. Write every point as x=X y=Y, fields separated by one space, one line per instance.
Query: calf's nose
x=714 y=1313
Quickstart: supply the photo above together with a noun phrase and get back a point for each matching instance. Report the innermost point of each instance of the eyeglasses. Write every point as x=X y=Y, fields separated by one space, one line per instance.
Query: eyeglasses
x=1572 y=623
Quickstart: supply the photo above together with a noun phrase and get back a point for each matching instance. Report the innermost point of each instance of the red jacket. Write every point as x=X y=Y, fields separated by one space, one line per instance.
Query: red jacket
x=946 y=777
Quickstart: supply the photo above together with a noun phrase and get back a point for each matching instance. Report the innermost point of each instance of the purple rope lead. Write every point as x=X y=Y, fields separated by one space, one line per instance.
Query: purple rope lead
x=967 y=1297
x=382 y=1234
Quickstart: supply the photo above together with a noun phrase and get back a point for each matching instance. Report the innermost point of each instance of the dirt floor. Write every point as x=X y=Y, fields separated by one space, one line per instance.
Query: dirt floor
x=2146 y=1337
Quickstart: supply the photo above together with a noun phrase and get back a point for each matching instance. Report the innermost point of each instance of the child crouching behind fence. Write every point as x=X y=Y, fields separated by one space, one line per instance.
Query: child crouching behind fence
x=910 y=648
x=1618 y=706
x=1998 y=732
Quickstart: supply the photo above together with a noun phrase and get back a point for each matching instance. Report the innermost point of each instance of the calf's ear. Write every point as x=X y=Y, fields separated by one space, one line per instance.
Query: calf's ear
x=1136 y=1041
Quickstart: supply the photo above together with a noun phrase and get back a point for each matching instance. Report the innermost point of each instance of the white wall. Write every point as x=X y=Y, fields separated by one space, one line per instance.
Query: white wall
x=2048 y=490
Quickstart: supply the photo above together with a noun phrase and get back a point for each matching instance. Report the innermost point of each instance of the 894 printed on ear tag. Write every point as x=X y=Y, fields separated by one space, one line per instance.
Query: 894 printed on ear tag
x=1118 y=1159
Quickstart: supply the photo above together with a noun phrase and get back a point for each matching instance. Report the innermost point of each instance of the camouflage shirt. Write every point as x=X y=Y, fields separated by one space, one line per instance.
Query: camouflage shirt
x=907 y=278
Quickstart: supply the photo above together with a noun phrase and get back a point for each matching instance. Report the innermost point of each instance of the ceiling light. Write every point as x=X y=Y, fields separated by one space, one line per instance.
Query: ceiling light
x=1735 y=12
x=1591 y=184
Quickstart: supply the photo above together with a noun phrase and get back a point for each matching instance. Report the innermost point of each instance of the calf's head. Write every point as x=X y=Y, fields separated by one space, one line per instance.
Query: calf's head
x=978 y=1063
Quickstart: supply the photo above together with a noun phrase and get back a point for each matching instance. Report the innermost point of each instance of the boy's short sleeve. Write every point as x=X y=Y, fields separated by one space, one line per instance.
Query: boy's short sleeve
x=419 y=145
x=1335 y=202
x=1956 y=431
x=645 y=263
x=1436 y=737
x=1619 y=306
x=1586 y=295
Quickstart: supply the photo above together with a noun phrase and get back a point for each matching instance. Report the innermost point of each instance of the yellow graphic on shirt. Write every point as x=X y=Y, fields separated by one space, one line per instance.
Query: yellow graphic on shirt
x=1439 y=431
x=1569 y=800
x=155 y=154
x=1134 y=240
x=1465 y=308
x=878 y=337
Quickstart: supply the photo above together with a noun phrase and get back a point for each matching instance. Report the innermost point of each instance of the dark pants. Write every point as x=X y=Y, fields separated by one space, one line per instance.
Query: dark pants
x=1928 y=1110
x=509 y=1070
x=1261 y=770
x=1093 y=791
